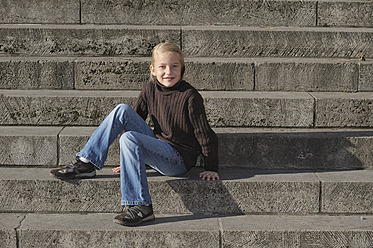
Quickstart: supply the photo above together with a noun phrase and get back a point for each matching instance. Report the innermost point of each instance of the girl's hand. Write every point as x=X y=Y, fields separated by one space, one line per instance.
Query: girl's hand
x=116 y=169
x=209 y=175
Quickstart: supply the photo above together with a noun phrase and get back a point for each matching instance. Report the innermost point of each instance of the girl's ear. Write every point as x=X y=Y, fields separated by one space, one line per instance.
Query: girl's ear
x=152 y=70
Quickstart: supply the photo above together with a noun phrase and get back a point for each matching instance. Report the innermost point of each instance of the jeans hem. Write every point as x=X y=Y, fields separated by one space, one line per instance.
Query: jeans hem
x=79 y=154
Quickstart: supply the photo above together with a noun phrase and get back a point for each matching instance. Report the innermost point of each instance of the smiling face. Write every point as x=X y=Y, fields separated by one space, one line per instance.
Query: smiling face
x=167 y=68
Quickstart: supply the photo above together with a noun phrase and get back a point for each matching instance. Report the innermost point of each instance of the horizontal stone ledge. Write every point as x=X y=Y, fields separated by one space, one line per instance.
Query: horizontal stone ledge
x=356 y=13
x=277 y=42
x=103 y=40
x=98 y=230
x=304 y=149
x=131 y=73
x=310 y=74
x=245 y=13
x=301 y=231
x=263 y=148
x=239 y=192
x=192 y=12
x=42 y=11
x=71 y=107
x=260 y=148
x=71 y=230
x=220 y=41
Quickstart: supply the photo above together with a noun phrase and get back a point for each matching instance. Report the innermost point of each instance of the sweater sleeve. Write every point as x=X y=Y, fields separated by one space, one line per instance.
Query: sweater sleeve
x=140 y=105
x=204 y=134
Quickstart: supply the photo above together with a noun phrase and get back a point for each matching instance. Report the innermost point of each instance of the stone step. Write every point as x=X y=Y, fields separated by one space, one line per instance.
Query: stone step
x=98 y=230
x=277 y=42
x=255 y=148
x=238 y=192
x=223 y=108
x=200 y=41
x=131 y=73
x=355 y=13
x=242 y=12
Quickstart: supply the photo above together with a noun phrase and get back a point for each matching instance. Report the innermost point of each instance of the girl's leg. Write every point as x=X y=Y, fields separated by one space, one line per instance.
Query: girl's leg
x=123 y=117
x=138 y=149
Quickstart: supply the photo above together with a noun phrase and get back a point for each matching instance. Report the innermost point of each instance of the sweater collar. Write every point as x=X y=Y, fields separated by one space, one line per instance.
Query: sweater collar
x=165 y=89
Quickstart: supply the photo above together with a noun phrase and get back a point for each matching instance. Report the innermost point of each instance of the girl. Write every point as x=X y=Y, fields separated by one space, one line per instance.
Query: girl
x=181 y=132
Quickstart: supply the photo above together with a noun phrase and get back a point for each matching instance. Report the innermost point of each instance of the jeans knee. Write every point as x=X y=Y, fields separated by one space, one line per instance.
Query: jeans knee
x=120 y=112
x=122 y=107
x=127 y=138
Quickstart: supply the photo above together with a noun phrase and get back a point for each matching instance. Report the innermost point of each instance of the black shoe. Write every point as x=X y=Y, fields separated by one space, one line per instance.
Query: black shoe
x=77 y=170
x=135 y=215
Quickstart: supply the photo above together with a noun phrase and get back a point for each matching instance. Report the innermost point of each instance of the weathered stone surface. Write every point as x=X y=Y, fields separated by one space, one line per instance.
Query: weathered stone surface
x=243 y=147
x=43 y=11
x=282 y=74
x=98 y=230
x=36 y=73
x=28 y=146
x=133 y=73
x=36 y=191
x=259 y=109
x=60 y=107
x=83 y=39
x=112 y=73
x=297 y=231
x=357 y=13
x=365 y=76
x=220 y=74
x=192 y=12
x=344 y=109
x=239 y=192
x=71 y=230
x=8 y=235
x=277 y=42
x=118 y=73
x=347 y=192
x=263 y=148
x=274 y=109
x=317 y=149
x=196 y=41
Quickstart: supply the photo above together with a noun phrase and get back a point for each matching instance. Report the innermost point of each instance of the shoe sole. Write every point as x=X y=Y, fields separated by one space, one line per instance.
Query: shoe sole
x=86 y=175
x=149 y=218
x=91 y=174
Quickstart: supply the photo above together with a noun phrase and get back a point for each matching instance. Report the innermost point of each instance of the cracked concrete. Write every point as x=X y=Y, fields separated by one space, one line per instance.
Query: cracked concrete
x=10 y=224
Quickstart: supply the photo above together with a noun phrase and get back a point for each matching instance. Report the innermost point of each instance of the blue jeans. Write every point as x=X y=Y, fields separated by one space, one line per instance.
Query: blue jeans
x=138 y=146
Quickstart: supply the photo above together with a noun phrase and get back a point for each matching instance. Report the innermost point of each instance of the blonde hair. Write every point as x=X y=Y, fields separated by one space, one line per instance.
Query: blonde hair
x=167 y=47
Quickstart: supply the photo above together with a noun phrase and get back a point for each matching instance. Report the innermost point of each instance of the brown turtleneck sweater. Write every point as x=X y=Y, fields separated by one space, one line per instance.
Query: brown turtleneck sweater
x=179 y=118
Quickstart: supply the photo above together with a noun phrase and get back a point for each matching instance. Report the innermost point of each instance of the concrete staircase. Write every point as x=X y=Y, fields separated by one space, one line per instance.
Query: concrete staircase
x=288 y=88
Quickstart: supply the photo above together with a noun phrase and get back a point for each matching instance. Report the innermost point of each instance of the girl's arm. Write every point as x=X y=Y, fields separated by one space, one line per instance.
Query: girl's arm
x=206 y=137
